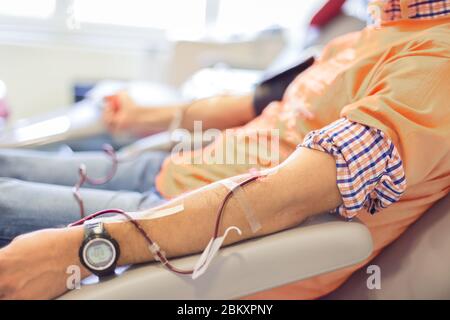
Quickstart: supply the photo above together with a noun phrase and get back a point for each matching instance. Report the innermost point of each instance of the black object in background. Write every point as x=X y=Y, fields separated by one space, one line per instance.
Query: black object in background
x=273 y=86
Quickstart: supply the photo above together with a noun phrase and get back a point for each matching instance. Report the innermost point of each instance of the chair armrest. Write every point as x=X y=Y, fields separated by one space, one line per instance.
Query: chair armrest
x=322 y=244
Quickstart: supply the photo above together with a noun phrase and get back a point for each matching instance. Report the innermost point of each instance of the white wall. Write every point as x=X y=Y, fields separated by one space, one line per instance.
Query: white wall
x=40 y=78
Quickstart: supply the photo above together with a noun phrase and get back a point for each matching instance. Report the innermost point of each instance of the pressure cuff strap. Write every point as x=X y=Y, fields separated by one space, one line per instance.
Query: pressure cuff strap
x=273 y=86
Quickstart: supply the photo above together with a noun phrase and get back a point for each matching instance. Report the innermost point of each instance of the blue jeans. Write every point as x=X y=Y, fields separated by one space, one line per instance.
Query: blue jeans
x=36 y=188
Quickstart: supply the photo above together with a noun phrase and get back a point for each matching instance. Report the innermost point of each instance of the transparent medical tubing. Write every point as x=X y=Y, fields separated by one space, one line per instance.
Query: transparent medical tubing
x=216 y=240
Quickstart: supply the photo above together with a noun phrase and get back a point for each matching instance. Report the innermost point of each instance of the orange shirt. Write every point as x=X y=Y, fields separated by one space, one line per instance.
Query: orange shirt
x=395 y=78
x=381 y=68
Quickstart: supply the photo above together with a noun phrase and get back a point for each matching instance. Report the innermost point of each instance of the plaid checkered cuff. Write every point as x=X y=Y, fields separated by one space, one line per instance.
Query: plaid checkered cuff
x=369 y=169
x=392 y=10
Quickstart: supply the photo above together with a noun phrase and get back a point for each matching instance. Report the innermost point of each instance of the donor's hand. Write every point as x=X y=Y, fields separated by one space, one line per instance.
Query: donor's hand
x=35 y=265
x=122 y=115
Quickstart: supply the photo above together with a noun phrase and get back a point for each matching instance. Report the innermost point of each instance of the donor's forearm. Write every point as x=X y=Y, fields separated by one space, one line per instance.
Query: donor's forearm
x=305 y=184
x=35 y=265
x=219 y=112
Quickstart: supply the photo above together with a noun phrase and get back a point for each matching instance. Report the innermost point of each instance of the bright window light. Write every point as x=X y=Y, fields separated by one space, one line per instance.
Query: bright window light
x=169 y=15
x=27 y=8
x=237 y=16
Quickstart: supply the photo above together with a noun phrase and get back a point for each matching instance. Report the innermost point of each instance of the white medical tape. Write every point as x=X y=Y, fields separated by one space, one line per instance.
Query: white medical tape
x=141 y=215
x=153 y=214
x=210 y=252
x=177 y=119
x=239 y=194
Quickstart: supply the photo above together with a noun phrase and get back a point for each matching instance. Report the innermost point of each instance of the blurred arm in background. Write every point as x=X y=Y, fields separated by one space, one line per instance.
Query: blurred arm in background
x=219 y=112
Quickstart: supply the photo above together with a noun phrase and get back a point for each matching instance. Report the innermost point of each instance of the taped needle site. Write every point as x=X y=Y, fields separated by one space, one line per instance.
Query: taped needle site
x=215 y=242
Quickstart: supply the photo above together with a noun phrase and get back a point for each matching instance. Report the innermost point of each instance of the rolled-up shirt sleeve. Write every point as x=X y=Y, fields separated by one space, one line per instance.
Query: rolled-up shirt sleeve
x=370 y=174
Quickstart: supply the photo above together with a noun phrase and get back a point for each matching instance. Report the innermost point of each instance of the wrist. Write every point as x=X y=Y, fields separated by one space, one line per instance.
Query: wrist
x=160 y=118
x=60 y=250
x=133 y=247
x=72 y=239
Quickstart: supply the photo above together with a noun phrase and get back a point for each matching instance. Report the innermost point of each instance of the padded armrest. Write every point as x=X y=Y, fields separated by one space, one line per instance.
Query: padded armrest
x=319 y=245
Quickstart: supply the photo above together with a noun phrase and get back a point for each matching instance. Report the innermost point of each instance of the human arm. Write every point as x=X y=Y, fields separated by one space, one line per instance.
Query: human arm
x=34 y=265
x=363 y=159
x=220 y=112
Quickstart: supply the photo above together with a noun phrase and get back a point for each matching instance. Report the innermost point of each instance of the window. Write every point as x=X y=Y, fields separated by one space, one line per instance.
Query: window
x=144 y=23
x=25 y=8
x=249 y=16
